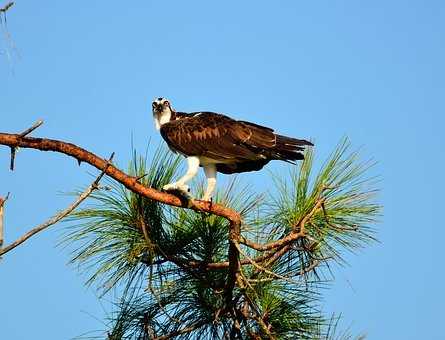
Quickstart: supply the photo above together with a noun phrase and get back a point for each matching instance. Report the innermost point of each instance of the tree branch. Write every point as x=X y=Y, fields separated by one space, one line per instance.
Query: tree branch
x=262 y=269
x=82 y=155
x=58 y=217
x=6 y=7
x=23 y=134
x=2 y=203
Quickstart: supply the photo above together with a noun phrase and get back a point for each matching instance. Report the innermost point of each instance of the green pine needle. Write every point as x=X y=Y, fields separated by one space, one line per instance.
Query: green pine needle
x=123 y=241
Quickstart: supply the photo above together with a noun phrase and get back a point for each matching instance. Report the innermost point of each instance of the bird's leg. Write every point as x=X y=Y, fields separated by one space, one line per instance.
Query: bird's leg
x=210 y=172
x=193 y=166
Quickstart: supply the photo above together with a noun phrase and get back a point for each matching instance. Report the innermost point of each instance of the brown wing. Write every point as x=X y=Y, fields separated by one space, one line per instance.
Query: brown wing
x=210 y=135
x=228 y=141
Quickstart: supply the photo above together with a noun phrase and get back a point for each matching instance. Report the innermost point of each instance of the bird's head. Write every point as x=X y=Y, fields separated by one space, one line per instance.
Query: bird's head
x=162 y=111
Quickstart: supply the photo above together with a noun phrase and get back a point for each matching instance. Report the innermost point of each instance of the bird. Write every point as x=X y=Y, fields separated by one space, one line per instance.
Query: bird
x=221 y=144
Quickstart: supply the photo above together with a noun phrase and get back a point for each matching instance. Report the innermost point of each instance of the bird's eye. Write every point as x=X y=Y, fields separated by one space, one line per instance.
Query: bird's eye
x=166 y=103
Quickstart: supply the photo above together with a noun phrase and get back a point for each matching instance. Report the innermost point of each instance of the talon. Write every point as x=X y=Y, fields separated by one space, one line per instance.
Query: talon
x=183 y=187
x=170 y=186
x=207 y=198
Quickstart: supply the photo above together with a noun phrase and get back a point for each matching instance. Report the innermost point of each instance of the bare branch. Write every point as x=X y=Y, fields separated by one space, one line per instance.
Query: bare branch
x=23 y=134
x=59 y=216
x=6 y=7
x=32 y=128
x=2 y=203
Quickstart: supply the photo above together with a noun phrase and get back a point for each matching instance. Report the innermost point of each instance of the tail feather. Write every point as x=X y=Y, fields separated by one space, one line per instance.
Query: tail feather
x=267 y=146
x=289 y=149
x=292 y=141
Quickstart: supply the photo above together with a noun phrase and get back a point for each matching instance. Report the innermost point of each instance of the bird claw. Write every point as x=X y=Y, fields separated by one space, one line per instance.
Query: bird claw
x=181 y=191
x=207 y=198
x=184 y=188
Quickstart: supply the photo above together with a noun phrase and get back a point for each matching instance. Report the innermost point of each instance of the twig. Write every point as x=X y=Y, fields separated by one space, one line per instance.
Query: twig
x=334 y=226
x=292 y=236
x=23 y=134
x=262 y=269
x=297 y=232
x=138 y=178
x=6 y=7
x=59 y=216
x=32 y=128
x=2 y=203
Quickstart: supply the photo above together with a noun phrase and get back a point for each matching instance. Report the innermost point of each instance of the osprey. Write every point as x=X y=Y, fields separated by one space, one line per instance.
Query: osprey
x=220 y=144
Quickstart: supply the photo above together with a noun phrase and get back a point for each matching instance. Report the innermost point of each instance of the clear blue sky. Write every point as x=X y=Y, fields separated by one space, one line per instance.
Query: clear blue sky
x=371 y=70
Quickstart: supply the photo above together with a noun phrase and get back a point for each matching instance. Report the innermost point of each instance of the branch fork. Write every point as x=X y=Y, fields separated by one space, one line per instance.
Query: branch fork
x=23 y=134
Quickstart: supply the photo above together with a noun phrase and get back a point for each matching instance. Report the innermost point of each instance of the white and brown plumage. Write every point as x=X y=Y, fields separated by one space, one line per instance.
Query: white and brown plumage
x=220 y=144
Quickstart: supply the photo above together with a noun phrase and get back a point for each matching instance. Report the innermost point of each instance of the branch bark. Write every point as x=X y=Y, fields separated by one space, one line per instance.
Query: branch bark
x=23 y=134
x=131 y=183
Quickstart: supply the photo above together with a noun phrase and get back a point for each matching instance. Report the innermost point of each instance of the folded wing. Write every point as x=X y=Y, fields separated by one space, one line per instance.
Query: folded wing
x=235 y=146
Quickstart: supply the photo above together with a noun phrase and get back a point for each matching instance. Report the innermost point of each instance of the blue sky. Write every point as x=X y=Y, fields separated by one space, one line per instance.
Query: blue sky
x=372 y=71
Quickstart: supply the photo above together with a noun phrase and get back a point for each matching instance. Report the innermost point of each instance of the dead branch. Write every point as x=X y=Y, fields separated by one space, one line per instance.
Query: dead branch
x=23 y=134
x=58 y=217
x=2 y=203
x=6 y=7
